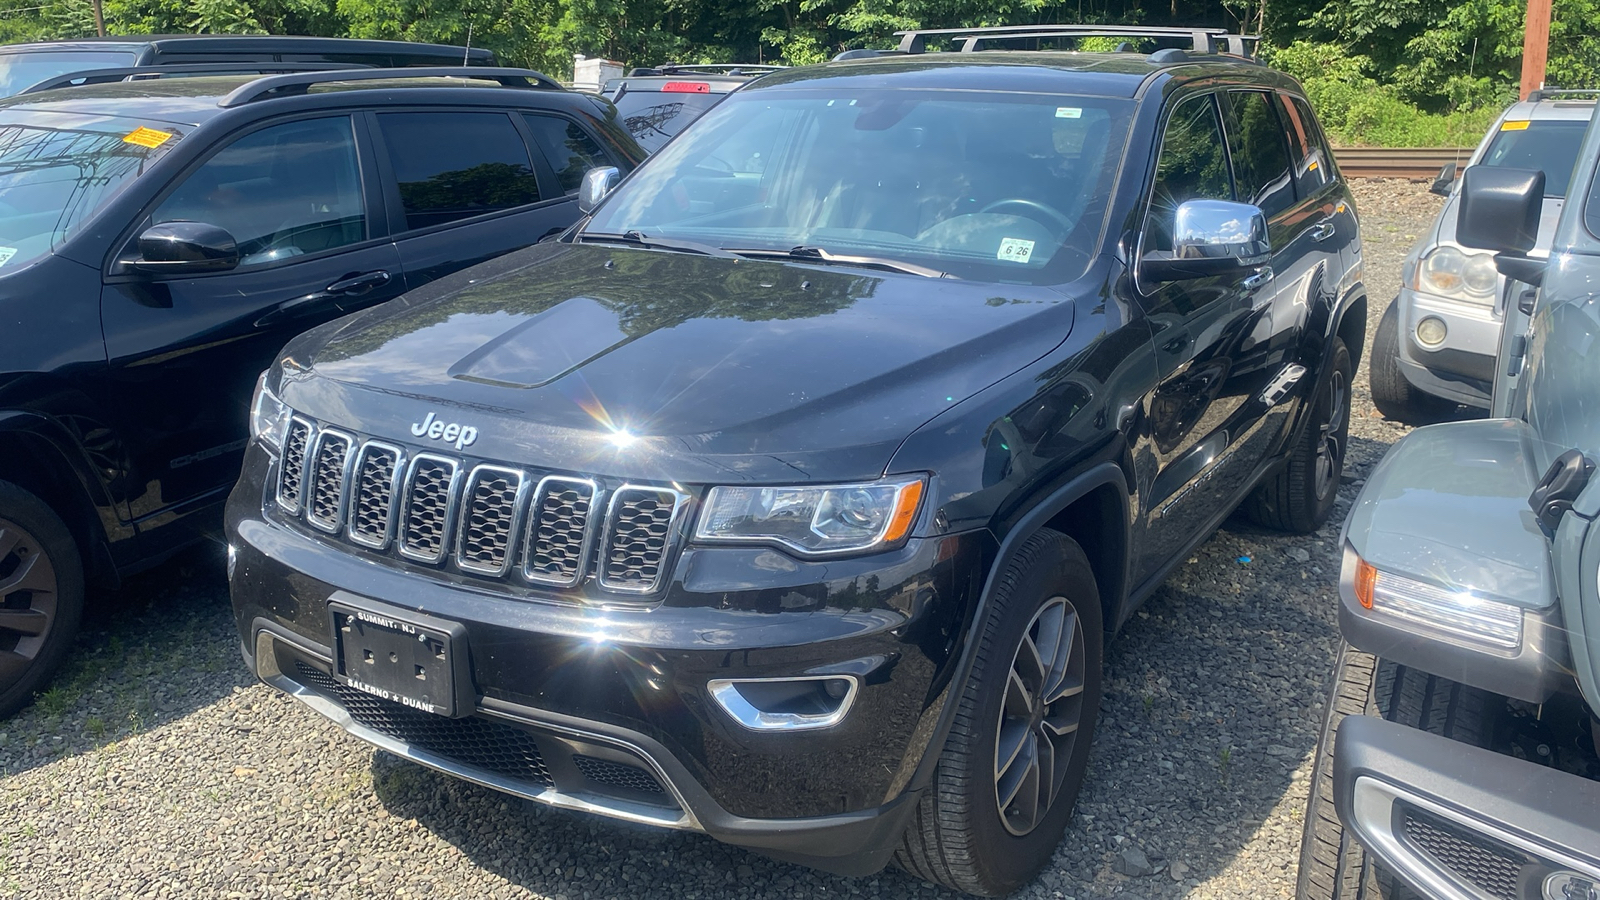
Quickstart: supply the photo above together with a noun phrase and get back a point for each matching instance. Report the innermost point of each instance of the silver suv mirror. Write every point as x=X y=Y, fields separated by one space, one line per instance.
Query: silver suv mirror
x=597 y=183
x=1210 y=237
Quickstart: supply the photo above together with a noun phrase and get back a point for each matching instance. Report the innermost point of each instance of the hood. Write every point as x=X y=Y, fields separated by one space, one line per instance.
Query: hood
x=672 y=366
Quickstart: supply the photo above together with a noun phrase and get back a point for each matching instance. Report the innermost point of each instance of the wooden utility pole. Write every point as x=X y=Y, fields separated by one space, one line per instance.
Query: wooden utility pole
x=1535 y=46
x=100 y=17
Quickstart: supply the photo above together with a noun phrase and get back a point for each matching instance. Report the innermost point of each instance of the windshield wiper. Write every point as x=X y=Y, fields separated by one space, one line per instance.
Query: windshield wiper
x=818 y=254
x=639 y=239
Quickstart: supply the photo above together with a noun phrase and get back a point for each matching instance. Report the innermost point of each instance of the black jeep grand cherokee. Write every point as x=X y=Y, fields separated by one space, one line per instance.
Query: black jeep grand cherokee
x=791 y=496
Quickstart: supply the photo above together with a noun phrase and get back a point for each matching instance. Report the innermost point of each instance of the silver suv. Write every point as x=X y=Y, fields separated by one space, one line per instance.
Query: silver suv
x=1436 y=344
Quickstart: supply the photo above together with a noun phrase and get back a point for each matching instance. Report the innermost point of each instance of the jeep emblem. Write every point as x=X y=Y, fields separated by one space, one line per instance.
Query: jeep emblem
x=435 y=428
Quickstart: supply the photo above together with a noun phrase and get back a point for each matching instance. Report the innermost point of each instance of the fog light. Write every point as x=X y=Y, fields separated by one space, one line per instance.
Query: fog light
x=1431 y=331
x=786 y=704
x=1458 y=613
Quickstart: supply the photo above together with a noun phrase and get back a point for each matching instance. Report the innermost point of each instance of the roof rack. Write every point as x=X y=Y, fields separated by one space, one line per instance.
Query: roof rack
x=274 y=86
x=1552 y=93
x=145 y=73
x=1201 y=40
x=705 y=69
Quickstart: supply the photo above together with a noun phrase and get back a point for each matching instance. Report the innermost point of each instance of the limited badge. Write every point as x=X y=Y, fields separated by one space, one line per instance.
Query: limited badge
x=147 y=137
x=1015 y=250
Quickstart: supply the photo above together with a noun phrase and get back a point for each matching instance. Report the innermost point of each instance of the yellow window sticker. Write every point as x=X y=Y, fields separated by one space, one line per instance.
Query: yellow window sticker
x=148 y=137
x=1015 y=250
x=6 y=253
x=1514 y=125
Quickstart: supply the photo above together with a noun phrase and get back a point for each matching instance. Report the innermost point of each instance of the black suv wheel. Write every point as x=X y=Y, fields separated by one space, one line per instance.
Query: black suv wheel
x=1015 y=758
x=1300 y=498
x=41 y=594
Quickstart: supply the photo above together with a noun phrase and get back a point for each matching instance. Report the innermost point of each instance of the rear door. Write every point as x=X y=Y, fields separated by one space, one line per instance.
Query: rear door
x=184 y=350
x=464 y=186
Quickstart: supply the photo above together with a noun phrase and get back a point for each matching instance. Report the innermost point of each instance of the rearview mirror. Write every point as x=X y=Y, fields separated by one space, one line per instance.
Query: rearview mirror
x=1444 y=181
x=1500 y=212
x=1210 y=237
x=597 y=183
x=176 y=247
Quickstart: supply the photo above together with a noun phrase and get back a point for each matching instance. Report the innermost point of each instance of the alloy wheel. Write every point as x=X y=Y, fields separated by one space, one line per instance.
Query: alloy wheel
x=28 y=595
x=1330 y=446
x=1039 y=717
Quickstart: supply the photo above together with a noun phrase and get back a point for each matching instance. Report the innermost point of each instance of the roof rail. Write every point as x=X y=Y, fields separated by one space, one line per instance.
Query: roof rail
x=294 y=85
x=146 y=73
x=1552 y=93
x=1201 y=40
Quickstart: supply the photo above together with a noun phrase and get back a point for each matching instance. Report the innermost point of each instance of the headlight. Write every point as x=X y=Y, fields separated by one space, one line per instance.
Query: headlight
x=823 y=519
x=1448 y=272
x=268 y=415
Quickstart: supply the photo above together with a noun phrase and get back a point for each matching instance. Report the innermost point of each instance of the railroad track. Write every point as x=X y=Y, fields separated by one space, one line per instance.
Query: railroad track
x=1413 y=163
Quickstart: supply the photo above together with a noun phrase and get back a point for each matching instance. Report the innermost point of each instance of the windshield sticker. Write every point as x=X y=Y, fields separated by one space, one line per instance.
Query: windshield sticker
x=6 y=253
x=148 y=137
x=1069 y=112
x=1514 y=125
x=1015 y=250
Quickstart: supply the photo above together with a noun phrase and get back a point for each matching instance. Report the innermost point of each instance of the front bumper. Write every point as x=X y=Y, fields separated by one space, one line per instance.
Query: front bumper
x=606 y=708
x=1462 y=368
x=1460 y=823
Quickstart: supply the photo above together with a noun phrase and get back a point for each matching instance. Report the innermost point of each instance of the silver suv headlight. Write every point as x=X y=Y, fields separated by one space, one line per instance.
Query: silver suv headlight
x=268 y=415
x=1454 y=274
x=821 y=520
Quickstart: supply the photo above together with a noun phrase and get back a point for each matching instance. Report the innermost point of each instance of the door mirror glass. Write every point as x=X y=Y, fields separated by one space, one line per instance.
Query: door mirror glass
x=1444 y=181
x=173 y=247
x=1210 y=237
x=597 y=183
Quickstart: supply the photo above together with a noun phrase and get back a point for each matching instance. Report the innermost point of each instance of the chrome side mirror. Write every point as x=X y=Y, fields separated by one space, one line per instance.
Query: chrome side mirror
x=183 y=247
x=597 y=183
x=1210 y=237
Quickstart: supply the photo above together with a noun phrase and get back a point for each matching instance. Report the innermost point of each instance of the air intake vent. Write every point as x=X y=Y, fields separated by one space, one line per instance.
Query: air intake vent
x=329 y=472
x=291 y=473
x=429 y=505
x=489 y=519
x=377 y=471
x=558 y=531
x=1482 y=862
x=639 y=530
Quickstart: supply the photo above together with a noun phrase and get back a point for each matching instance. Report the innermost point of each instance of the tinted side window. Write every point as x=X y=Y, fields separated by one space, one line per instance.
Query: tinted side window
x=1306 y=147
x=283 y=191
x=455 y=165
x=1192 y=166
x=1260 y=154
x=569 y=148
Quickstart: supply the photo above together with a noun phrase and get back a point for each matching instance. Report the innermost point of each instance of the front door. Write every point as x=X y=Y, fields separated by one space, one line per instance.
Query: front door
x=184 y=351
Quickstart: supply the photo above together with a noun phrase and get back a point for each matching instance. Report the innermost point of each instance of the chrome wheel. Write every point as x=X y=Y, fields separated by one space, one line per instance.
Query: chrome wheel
x=1039 y=717
x=28 y=595
x=1330 y=445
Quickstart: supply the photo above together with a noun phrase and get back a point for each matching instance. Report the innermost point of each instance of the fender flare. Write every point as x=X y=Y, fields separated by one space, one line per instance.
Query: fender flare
x=1103 y=474
x=101 y=518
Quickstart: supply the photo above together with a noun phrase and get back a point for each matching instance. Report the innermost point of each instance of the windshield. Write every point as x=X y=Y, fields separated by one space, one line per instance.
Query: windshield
x=653 y=117
x=980 y=185
x=19 y=71
x=56 y=170
x=1550 y=145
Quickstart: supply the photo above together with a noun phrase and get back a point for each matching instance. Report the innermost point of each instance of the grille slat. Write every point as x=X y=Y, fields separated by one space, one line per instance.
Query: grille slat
x=291 y=474
x=372 y=506
x=429 y=505
x=558 y=531
x=328 y=471
x=639 y=529
x=489 y=520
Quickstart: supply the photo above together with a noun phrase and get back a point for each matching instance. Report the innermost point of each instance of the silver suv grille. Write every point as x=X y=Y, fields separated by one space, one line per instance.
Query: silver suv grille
x=486 y=520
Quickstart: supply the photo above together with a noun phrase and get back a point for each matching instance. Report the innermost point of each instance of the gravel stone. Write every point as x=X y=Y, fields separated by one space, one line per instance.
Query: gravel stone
x=156 y=767
x=1133 y=863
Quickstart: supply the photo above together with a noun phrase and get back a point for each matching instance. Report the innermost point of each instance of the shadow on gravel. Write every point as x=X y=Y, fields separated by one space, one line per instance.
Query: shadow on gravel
x=155 y=650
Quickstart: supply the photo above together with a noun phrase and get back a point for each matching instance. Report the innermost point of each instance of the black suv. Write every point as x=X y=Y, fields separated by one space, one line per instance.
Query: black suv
x=46 y=64
x=161 y=240
x=657 y=103
x=791 y=496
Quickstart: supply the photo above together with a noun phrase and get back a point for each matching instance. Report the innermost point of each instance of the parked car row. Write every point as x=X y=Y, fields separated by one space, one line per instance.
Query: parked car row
x=787 y=486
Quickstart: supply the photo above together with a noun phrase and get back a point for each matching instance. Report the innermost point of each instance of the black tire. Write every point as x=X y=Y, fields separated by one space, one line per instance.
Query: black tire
x=1394 y=396
x=41 y=595
x=1333 y=865
x=1300 y=497
x=963 y=835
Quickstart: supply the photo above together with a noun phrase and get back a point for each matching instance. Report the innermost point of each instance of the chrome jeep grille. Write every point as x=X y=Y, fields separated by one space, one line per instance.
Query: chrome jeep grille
x=485 y=519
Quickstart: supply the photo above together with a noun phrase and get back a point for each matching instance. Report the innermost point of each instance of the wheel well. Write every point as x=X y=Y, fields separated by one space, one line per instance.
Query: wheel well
x=33 y=464
x=1353 y=329
x=1096 y=522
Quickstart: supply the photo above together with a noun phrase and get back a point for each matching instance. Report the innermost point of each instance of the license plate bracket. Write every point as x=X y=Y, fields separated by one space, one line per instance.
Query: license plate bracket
x=416 y=660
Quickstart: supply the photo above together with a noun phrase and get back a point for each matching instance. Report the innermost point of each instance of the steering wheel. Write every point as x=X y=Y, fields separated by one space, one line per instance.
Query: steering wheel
x=1049 y=212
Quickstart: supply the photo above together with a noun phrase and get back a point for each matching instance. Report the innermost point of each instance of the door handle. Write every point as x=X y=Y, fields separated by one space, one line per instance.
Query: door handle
x=1323 y=231
x=358 y=284
x=1257 y=281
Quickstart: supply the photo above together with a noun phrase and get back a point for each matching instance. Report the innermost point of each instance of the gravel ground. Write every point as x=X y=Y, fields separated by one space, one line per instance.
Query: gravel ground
x=156 y=768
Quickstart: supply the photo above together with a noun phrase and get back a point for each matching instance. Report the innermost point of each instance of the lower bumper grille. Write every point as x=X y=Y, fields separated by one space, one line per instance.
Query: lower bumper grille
x=1482 y=862
x=495 y=747
x=617 y=775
